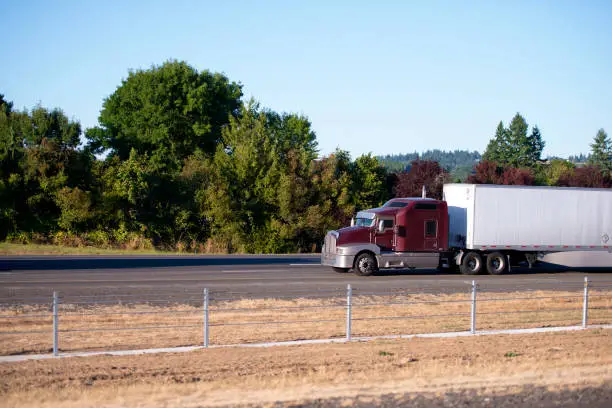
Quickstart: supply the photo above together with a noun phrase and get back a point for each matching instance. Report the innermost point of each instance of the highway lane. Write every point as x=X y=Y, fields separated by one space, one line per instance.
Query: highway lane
x=25 y=277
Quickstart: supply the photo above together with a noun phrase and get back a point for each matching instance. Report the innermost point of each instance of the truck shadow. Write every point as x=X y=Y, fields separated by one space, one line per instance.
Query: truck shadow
x=542 y=267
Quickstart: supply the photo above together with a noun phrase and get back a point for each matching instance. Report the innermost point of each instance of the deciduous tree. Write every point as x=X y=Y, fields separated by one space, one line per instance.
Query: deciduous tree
x=167 y=111
x=369 y=178
x=422 y=173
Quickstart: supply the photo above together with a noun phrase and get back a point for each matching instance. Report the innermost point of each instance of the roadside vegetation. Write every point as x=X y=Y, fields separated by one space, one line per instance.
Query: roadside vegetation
x=9 y=248
x=180 y=162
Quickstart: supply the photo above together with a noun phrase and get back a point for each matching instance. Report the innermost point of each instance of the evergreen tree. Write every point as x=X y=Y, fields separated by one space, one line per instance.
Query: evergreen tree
x=601 y=152
x=535 y=147
x=513 y=146
x=494 y=151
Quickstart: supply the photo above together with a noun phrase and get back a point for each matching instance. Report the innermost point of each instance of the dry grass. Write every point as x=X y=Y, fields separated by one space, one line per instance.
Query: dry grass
x=264 y=376
x=107 y=327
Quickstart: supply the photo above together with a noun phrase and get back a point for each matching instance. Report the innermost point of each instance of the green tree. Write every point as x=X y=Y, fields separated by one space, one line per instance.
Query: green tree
x=535 y=147
x=513 y=146
x=168 y=111
x=495 y=151
x=556 y=170
x=601 y=152
x=123 y=204
x=332 y=203
x=369 y=182
x=41 y=148
x=75 y=207
x=157 y=120
x=240 y=199
x=11 y=152
x=292 y=132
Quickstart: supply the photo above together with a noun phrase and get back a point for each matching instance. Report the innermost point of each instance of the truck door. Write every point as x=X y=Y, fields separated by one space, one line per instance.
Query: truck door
x=430 y=234
x=423 y=228
x=385 y=239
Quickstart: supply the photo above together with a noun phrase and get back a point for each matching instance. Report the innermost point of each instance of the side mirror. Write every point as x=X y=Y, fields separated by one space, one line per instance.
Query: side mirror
x=352 y=222
x=381 y=226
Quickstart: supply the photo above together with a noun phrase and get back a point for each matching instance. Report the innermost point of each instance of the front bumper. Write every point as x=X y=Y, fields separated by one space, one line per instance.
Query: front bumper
x=335 y=260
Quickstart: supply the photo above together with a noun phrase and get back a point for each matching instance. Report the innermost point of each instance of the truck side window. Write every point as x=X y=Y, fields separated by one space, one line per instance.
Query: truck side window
x=388 y=223
x=431 y=229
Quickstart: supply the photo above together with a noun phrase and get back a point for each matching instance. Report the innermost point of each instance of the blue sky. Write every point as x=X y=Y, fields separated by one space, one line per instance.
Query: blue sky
x=393 y=77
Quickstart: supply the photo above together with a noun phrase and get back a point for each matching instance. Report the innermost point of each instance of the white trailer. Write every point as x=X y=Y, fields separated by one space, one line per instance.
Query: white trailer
x=524 y=220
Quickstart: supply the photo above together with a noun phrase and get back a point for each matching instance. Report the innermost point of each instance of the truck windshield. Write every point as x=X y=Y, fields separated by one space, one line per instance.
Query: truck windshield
x=364 y=222
x=396 y=204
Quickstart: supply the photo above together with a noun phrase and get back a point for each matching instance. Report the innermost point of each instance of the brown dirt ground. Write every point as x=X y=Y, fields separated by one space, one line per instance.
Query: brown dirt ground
x=320 y=375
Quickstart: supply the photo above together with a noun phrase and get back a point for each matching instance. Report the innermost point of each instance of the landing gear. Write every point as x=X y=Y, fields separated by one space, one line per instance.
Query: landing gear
x=448 y=263
x=531 y=258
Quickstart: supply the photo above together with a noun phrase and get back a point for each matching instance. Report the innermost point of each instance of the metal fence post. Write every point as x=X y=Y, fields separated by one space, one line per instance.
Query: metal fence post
x=205 y=317
x=473 y=312
x=585 y=304
x=349 y=301
x=55 y=322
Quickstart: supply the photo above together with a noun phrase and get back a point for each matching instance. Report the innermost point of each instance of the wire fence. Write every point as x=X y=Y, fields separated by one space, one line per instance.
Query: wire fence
x=70 y=322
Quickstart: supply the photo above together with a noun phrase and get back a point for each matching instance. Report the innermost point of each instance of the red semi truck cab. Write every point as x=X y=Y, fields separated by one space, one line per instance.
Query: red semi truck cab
x=403 y=233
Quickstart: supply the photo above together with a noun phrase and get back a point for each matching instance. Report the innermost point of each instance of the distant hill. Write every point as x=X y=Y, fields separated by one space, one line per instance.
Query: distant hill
x=579 y=159
x=459 y=162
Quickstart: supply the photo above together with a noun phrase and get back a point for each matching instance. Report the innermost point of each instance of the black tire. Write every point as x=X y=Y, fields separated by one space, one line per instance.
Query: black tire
x=496 y=263
x=341 y=270
x=471 y=264
x=365 y=264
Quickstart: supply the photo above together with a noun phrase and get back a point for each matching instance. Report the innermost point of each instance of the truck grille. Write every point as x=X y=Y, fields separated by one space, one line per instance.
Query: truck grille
x=330 y=243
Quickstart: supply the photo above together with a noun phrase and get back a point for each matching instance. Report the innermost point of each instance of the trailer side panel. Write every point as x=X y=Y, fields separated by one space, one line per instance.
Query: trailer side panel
x=533 y=218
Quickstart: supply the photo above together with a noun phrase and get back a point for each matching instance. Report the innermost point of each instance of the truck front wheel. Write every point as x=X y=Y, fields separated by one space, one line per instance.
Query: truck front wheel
x=496 y=263
x=471 y=264
x=365 y=264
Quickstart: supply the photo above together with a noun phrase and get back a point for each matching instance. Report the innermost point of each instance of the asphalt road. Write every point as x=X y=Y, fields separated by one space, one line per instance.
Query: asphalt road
x=29 y=276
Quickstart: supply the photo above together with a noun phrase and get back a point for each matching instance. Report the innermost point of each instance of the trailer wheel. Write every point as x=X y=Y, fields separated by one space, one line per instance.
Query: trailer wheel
x=496 y=263
x=471 y=264
x=340 y=270
x=365 y=264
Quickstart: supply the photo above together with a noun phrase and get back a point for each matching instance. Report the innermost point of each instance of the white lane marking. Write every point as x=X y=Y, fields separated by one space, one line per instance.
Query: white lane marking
x=306 y=264
x=248 y=270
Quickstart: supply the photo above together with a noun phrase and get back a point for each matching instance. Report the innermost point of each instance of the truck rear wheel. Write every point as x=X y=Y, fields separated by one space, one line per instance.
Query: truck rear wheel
x=496 y=263
x=471 y=264
x=365 y=264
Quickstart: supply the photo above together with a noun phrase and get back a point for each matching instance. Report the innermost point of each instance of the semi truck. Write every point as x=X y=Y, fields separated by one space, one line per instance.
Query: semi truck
x=474 y=228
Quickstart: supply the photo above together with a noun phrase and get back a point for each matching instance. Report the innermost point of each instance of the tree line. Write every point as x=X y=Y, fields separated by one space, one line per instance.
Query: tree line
x=180 y=161
x=459 y=163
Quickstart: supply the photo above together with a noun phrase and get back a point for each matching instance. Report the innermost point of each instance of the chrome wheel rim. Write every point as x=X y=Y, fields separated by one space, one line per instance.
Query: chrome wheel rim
x=364 y=265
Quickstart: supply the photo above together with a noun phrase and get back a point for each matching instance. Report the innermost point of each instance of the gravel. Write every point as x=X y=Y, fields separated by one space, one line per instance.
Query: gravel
x=530 y=396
